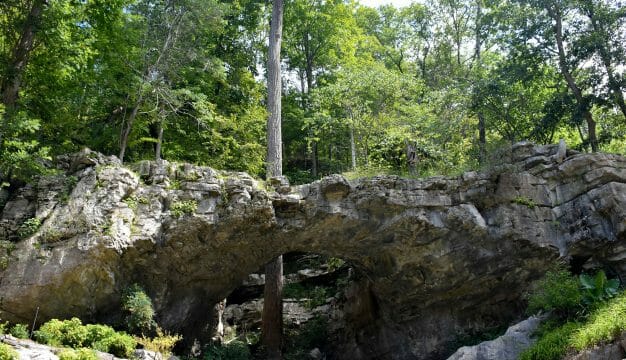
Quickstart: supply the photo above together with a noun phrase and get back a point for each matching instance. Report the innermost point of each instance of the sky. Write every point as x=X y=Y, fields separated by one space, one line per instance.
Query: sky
x=376 y=3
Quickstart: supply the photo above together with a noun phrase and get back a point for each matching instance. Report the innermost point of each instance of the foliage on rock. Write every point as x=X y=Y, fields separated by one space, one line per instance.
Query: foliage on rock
x=72 y=333
x=7 y=352
x=559 y=292
x=139 y=310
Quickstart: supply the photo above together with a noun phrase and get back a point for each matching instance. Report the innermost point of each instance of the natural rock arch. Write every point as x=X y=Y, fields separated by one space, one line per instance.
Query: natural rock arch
x=442 y=255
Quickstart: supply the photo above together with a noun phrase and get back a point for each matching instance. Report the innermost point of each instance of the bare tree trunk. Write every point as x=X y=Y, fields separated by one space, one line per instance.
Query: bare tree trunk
x=159 y=143
x=129 y=127
x=272 y=319
x=411 y=157
x=482 y=138
x=314 y=159
x=352 y=147
x=556 y=15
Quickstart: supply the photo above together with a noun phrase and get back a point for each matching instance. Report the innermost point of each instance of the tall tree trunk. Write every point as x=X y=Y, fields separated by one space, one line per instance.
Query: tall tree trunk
x=309 y=85
x=272 y=319
x=19 y=56
x=411 y=157
x=314 y=164
x=11 y=80
x=555 y=13
x=482 y=138
x=158 y=134
x=352 y=148
x=129 y=126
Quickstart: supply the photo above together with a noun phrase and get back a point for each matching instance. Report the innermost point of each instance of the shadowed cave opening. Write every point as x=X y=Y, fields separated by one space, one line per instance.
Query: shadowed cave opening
x=315 y=295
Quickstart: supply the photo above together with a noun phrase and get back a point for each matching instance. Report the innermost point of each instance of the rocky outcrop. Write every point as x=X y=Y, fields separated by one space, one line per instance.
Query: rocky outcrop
x=437 y=256
x=28 y=350
x=509 y=346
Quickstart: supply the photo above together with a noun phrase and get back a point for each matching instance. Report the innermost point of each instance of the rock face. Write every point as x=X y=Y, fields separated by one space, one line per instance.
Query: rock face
x=440 y=255
x=506 y=347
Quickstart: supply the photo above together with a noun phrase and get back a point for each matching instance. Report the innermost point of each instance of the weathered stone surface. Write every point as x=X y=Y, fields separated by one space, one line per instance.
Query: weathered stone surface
x=29 y=350
x=615 y=350
x=438 y=255
x=506 y=347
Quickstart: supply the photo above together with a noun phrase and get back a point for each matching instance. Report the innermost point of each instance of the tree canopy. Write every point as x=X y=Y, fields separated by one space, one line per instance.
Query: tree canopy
x=419 y=90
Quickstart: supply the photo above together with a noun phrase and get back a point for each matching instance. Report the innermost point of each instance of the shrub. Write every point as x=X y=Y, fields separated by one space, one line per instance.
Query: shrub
x=140 y=313
x=559 y=292
x=552 y=345
x=96 y=333
x=73 y=333
x=598 y=288
x=234 y=350
x=162 y=343
x=80 y=354
x=70 y=333
x=7 y=352
x=314 y=333
x=20 y=331
x=4 y=327
x=118 y=344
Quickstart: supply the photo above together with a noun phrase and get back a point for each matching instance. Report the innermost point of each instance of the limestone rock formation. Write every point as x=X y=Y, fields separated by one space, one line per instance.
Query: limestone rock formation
x=509 y=346
x=439 y=255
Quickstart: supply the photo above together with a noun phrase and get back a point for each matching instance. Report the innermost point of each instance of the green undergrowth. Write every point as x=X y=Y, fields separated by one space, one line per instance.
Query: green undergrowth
x=72 y=333
x=585 y=311
x=78 y=354
x=7 y=353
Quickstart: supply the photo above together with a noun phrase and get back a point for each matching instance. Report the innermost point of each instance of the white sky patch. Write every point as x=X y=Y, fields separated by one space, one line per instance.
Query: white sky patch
x=396 y=3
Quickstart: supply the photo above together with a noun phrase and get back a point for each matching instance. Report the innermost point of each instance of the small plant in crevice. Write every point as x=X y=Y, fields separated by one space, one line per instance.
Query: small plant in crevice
x=29 y=227
x=523 y=200
x=131 y=202
x=180 y=208
x=6 y=248
x=69 y=185
x=174 y=184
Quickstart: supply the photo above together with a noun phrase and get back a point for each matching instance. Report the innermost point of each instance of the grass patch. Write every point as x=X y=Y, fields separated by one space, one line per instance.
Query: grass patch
x=553 y=343
x=603 y=325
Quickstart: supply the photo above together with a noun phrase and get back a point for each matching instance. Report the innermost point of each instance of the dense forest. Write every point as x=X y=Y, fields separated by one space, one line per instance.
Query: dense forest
x=429 y=88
